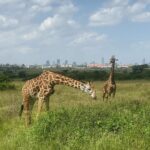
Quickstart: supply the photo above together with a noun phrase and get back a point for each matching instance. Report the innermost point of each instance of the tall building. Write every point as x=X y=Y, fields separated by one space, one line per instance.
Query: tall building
x=74 y=64
x=143 y=61
x=66 y=63
x=47 y=63
x=58 y=63
x=102 y=60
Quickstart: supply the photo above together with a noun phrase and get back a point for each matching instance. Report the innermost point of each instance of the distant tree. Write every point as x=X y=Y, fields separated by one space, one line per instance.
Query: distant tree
x=139 y=68
x=22 y=74
x=23 y=66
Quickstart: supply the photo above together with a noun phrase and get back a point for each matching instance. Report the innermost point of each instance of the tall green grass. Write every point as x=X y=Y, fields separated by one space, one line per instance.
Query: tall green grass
x=76 y=122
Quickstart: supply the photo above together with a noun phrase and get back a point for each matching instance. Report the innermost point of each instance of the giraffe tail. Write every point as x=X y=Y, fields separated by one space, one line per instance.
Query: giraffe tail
x=21 y=110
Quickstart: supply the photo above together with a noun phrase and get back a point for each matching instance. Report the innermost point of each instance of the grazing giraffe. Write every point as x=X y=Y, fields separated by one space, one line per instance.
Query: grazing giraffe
x=110 y=85
x=42 y=87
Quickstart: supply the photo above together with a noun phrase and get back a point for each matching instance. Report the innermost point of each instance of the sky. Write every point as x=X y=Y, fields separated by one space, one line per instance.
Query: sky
x=33 y=31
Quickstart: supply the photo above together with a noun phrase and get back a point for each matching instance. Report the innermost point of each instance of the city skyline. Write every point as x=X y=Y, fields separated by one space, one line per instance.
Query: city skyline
x=34 y=31
x=101 y=61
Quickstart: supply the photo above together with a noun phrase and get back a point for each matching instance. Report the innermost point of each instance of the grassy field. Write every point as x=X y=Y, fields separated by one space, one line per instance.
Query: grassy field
x=76 y=122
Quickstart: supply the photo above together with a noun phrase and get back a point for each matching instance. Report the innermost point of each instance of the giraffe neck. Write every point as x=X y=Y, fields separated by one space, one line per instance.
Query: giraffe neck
x=60 y=79
x=55 y=79
x=111 y=76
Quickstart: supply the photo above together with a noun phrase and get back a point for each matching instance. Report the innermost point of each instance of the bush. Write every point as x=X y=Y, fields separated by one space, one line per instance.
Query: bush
x=4 y=78
x=80 y=125
x=7 y=86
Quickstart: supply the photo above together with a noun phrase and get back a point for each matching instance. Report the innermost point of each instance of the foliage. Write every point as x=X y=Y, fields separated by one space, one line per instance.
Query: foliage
x=5 y=83
x=4 y=78
x=138 y=68
x=95 y=74
x=77 y=128
x=7 y=86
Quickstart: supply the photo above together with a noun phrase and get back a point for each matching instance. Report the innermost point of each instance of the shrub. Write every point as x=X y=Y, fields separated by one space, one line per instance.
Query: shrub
x=7 y=86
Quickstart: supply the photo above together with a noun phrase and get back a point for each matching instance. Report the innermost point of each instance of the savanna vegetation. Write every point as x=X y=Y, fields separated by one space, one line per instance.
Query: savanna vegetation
x=77 y=122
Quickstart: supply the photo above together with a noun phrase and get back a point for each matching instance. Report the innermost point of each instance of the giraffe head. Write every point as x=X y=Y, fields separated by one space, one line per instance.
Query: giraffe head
x=88 y=88
x=113 y=59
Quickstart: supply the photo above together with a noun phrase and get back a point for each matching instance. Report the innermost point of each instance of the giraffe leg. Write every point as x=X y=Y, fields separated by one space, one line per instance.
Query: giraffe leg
x=50 y=92
x=47 y=103
x=40 y=105
x=104 y=96
x=109 y=92
x=27 y=111
x=114 y=93
x=107 y=96
x=31 y=105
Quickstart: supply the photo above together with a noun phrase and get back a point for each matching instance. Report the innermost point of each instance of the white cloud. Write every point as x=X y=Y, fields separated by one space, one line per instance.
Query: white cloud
x=73 y=23
x=24 y=50
x=119 y=2
x=30 y=36
x=43 y=2
x=119 y=10
x=60 y=23
x=88 y=37
x=8 y=1
x=146 y=1
x=51 y=22
x=37 y=8
x=142 y=17
x=67 y=9
x=62 y=19
x=8 y=22
x=136 y=7
x=58 y=6
x=107 y=16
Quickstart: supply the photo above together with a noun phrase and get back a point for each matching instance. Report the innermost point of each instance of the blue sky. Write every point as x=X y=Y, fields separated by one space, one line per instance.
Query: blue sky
x=34 y=31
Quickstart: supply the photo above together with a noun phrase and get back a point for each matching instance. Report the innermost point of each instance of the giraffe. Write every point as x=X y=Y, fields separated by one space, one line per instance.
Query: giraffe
x=110 y=85
x=42 y=87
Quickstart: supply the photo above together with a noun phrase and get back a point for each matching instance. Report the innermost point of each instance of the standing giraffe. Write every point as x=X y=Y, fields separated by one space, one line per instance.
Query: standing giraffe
x=110 y=85
x=42 y=87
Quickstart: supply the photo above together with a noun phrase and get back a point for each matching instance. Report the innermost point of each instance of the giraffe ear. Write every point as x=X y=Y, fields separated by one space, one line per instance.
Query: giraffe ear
x=89 y=83
x=92 y=84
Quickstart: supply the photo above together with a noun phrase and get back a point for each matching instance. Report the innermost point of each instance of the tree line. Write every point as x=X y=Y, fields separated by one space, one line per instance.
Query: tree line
x=12 y=73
